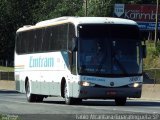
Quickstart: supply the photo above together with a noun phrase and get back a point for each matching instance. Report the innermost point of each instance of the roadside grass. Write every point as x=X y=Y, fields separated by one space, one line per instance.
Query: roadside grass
x=9 y=117
x=152 y=60
x=6 y=69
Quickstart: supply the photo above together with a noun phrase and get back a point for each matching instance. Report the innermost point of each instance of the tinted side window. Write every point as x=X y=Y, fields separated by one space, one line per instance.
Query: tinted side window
x=23 y=42
x=26 y=41
x=18 y=43
x=58 y=37
x=38 y=40
x=52 y=38
x=71 y=34
x=46 y=36
x=31 y=41
x=62 y=37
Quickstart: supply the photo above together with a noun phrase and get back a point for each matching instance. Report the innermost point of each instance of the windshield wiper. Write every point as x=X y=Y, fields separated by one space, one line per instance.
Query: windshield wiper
x=101 y=63
x=120 y=65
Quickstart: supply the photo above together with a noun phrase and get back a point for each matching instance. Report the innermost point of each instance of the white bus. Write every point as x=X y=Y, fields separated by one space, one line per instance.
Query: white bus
x=80 y=58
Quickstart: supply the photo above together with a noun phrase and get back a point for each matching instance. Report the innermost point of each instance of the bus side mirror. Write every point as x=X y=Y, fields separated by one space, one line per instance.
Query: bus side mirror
x=74 y=44
x=144 y=51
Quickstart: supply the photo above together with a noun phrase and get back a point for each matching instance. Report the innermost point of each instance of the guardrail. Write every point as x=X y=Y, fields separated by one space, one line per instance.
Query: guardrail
x=6 y=75
x=152 y=76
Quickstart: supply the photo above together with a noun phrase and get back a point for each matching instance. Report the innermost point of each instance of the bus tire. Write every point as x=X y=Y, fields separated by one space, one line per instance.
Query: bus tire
x=30 y=97
x=121 y=101
x=68 y=100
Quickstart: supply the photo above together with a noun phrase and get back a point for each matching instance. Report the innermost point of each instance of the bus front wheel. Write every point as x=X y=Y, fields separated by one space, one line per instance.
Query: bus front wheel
x=121 y=101
x=68 y=100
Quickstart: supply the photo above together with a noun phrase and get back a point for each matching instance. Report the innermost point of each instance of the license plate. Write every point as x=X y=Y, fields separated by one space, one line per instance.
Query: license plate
x=111 y=93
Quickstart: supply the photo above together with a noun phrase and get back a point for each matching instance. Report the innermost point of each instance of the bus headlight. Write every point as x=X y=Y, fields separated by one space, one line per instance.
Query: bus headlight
x=135 y=85
x=85 y=83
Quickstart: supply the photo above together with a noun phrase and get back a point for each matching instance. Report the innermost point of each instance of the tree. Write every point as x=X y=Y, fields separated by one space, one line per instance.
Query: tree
x=14 y=14
x=42 y=9
x=99 y=7
x=67 y=8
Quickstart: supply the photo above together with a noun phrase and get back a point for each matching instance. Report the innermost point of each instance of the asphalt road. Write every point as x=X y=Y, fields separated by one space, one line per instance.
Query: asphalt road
x=14 y=104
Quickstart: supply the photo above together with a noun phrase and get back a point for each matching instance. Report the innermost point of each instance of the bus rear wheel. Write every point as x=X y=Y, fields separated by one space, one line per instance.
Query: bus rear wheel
x=30 y=97
x=121 y=101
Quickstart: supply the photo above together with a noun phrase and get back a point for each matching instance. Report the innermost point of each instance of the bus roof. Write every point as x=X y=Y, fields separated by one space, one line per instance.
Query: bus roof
x=78 y=20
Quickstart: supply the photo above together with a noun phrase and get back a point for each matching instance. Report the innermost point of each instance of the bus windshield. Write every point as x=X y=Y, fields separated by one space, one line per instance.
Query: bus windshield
x=109 y=50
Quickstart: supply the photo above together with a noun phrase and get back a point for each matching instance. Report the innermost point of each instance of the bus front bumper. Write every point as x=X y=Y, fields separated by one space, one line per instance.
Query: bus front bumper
x=108 y=93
